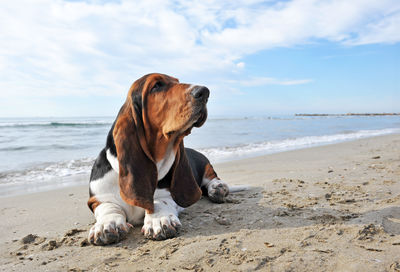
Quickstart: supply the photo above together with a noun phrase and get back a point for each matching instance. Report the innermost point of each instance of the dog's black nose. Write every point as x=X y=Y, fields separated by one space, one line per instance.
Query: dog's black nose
x=200 y=93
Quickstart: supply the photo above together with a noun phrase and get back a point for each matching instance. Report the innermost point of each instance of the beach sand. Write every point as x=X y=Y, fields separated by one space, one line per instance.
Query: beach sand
x=328 y=208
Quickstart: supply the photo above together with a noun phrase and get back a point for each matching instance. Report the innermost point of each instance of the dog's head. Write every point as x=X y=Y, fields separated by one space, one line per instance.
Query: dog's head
x=170 y=108
x=158 y=112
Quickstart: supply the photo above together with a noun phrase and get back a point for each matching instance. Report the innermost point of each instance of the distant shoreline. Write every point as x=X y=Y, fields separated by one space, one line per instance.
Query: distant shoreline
x=346 y=114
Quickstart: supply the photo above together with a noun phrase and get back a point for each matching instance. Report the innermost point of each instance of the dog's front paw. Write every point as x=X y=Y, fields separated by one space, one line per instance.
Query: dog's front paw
x=217 y=191
x=160 y=226
x=109 y=230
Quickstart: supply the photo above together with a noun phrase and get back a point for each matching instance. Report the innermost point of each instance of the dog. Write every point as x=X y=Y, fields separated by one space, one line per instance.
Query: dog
x=144 y=170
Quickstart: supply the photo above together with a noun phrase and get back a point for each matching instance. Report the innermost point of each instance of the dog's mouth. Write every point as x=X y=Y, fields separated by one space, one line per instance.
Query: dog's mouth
x=202 y=117
x=198 y=118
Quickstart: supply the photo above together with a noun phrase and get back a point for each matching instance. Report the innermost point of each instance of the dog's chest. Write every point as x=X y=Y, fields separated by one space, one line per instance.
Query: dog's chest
x=164 y=165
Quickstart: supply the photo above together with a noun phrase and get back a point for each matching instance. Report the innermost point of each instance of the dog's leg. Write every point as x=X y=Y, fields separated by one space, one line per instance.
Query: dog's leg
x=164 y=222
x=109 y=210
x=110 y=226
x=217 y=190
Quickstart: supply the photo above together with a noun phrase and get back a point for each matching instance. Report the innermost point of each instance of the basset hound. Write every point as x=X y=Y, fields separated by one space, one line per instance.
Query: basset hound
x=144 y=169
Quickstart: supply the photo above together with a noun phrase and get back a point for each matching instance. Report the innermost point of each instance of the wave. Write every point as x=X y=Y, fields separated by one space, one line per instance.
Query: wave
x=46 y=172
x=221 y=154
x=16 y=148
x=53 y=124
x=50 y=147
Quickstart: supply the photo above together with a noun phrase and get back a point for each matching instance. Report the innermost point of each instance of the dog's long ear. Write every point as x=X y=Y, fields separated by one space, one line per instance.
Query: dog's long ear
x=137 y=171
x=183 y=188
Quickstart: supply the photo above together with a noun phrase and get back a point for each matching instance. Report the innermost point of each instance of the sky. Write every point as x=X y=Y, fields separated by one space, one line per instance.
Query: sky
x=79 y=58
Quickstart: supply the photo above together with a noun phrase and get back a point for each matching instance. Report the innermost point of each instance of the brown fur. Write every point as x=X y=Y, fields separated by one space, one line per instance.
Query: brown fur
x=137 y=172
x=209 y=172
x=165 y=114
x=184 y=189
x=93 y=203
x=147 y=124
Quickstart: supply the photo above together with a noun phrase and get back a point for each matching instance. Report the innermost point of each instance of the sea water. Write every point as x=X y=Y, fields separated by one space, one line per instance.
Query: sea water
x=44 y=153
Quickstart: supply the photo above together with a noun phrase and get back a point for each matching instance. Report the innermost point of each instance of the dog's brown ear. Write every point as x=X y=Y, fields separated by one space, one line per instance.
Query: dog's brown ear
x=183 y=188
x=137 y=171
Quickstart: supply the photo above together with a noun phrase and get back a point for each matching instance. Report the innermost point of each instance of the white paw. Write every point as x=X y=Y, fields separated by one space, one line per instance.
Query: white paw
x=217 y=191
x=110 y=229
x=161 y=225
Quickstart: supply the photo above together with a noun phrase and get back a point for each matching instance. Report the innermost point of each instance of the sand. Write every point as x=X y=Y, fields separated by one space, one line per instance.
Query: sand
x=328 y=208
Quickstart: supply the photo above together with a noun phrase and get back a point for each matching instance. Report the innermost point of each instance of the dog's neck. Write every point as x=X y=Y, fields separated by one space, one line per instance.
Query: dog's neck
x=163 y=150
x=158 y=145
x=165 y=164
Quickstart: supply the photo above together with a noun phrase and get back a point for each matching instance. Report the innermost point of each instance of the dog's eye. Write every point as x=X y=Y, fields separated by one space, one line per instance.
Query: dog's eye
x=157 y=86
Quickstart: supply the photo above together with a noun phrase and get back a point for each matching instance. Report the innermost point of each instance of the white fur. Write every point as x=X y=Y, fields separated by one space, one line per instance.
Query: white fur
x=109 y=217
x=164 y=165
x=106 y=190
x=166 y=213
x=114 y=213
x=209 y=184
x=113 y=161
x=108 y=184
x=206 y=182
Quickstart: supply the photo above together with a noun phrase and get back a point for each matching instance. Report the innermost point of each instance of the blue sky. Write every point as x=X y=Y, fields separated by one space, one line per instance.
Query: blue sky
x=74 y=58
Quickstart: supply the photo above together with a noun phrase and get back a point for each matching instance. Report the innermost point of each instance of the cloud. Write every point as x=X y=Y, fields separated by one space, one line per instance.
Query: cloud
x=55 y=47
x=385 y=30
x=291 y=23
x=240 y=65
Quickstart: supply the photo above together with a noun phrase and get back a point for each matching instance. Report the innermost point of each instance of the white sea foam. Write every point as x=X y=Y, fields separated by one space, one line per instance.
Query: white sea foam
x=41 y=175
x=221 y=154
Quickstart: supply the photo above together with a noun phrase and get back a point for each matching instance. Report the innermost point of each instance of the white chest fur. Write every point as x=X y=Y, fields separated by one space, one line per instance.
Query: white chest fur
x=164 y=165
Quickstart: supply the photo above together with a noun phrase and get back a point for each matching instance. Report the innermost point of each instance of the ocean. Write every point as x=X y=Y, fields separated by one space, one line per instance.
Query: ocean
x=45 y=153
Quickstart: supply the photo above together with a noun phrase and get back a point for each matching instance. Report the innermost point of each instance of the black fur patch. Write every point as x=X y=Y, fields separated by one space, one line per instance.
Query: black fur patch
x=110 y=144
x=197 y=162
x=101 y=166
